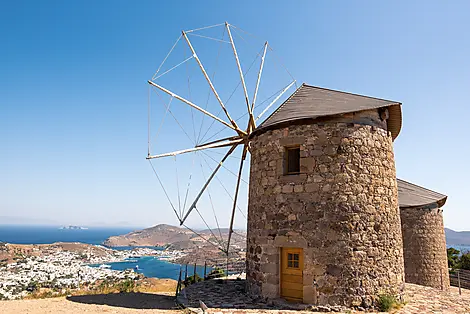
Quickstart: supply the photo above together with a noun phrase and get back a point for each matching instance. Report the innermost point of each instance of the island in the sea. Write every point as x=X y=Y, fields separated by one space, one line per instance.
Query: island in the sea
x=73 y=228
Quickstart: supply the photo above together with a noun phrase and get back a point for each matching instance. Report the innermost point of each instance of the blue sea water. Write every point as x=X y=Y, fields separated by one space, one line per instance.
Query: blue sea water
x=461 y=248
x=50 y=234
x=147 y=265
x=153 y=267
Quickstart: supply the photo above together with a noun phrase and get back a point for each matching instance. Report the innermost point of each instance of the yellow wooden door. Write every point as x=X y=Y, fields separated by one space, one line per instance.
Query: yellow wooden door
x=292 y=265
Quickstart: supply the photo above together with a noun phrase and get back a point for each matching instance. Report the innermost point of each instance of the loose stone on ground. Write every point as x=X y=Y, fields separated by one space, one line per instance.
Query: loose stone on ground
x=228 y=296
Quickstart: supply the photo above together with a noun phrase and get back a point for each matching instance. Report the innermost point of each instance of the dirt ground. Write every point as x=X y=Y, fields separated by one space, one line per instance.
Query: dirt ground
x=420 y=300
x=112 y=303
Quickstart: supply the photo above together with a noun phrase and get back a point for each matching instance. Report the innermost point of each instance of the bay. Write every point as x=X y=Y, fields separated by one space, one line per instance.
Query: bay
x=147 y=265
x=151 y=266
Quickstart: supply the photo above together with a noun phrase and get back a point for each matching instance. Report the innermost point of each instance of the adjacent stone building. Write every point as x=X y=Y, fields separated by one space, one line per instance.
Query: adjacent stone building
x=323 y=216
x=424 y=243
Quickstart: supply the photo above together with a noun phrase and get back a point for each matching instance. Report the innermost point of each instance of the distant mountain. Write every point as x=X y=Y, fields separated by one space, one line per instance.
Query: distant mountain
x=161 y=235
x=457 y=237
x=158 y=235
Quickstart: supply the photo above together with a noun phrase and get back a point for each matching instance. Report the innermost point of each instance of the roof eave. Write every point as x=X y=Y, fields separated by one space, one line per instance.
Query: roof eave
x=395 y=121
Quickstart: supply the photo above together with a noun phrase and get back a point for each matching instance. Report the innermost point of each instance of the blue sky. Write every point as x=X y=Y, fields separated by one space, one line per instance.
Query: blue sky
x=73 y=92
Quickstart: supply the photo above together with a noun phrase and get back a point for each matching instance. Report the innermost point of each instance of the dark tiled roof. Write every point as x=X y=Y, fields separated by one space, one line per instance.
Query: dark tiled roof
x=412 y=195
x=310 y=102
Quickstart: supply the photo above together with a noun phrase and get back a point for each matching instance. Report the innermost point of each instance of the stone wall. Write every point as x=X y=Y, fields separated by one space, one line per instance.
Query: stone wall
x=342 y=209
x=424 y=247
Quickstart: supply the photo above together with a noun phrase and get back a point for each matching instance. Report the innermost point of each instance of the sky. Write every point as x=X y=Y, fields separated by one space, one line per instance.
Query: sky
x=74 y=93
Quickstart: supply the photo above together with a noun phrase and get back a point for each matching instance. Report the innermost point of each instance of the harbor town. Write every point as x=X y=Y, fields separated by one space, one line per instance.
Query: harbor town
x=65 y=266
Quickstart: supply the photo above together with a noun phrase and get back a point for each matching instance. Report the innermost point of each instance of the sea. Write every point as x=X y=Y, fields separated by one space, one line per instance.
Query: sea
x=147 y=265
x=461 y=248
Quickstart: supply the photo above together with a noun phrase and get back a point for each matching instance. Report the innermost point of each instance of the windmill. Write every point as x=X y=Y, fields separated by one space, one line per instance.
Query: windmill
x=194 y=85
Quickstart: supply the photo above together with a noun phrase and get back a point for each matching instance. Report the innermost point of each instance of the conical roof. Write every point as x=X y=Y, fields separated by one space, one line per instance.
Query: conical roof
x=412 y=195
x=310 y=102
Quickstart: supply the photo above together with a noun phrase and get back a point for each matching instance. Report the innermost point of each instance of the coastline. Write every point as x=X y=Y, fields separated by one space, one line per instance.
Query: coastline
x=64 y=265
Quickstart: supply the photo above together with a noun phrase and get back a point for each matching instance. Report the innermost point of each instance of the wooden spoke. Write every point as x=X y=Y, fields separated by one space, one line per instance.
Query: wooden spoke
x=200 y=147
x=193 y=205
x=237 y=189
x=195 y=106
x=235 y=126
x=275 y=99
x=231 y=138
x=257 y=85
x=242 y=78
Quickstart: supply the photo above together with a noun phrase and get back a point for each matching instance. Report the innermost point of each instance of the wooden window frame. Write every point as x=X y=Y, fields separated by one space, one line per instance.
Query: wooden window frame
x=292 y=260
x=286 y=160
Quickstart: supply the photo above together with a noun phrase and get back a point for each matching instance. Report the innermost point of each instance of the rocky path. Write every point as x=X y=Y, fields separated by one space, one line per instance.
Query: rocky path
x=228 y=297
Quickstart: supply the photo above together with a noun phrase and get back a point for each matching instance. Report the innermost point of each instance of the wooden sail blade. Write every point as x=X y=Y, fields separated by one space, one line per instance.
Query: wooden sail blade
x=235 y=198
x=193 y=205
x=197 y=148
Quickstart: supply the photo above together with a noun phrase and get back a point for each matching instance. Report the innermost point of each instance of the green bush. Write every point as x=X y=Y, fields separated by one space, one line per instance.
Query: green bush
x=465 y=261
x=127 y=286
x=387 y=302
x=33 y=286
x=453 y=257
x=458 y=260
x=216 y=273
x=192 y=279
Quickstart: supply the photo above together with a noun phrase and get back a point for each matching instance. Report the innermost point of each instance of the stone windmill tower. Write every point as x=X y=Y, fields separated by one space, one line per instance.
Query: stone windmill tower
x=323 y=214
x=424 y=242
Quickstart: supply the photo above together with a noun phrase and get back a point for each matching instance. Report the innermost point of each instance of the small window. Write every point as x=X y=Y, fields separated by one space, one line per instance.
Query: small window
x=292 y=160
x=293 y=260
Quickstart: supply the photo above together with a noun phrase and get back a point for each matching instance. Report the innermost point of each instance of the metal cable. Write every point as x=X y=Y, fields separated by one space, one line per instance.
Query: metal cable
x=209 y=91
x=233 y=92
x=164 y=190
x=158 y=70
x=219 y=40
x=210 y=198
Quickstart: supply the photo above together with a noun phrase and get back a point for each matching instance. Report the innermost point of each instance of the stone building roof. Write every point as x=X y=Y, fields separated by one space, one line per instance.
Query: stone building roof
x=412 y=195
x=310 y=102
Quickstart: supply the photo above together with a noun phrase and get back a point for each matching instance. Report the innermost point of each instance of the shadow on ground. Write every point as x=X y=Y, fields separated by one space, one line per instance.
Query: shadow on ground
x=231 y=294
x=133 y=300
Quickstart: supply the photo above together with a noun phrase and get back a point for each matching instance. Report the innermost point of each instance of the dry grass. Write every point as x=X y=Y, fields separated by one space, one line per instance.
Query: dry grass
x=146 y=285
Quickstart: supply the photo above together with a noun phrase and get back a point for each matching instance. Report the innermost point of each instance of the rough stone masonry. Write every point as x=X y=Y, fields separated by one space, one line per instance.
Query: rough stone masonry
x=425 y=249
x=342 y=209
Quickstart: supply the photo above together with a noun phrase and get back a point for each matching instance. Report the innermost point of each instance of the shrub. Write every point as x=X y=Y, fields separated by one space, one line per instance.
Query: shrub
x=127 y=286
x=387 y=302
x=465 y=261
x=457 y=259
x=452 y=257
x=192 y=279
x=216 y=273
x=33 y=286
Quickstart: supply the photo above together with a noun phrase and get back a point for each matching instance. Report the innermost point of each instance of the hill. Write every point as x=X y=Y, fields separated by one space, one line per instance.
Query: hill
x=457 y=237
x=158 y=235
x=179 y=238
